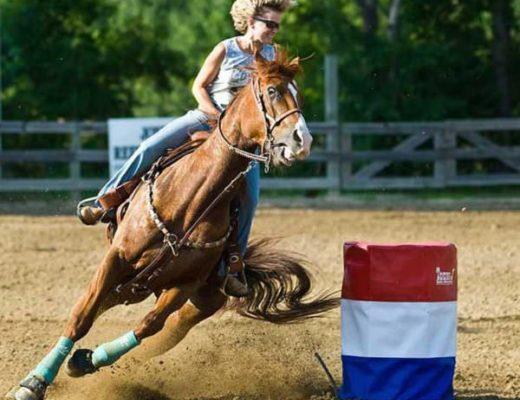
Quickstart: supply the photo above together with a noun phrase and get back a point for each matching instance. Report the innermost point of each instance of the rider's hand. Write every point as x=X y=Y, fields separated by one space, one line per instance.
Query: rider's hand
x=212 y=114
x=199 y=135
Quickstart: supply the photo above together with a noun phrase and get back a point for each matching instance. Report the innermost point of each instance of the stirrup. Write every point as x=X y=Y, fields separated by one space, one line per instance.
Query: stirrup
x=236 y=286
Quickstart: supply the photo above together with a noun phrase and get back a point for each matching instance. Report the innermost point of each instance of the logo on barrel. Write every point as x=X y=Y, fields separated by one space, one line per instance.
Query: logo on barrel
x=444 y=278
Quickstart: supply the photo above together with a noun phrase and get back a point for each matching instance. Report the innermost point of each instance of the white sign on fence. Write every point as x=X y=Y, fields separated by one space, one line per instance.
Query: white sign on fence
x=125 y=135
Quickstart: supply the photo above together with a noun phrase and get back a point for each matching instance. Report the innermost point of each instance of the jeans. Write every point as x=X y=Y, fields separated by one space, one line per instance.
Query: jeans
x=172 y=135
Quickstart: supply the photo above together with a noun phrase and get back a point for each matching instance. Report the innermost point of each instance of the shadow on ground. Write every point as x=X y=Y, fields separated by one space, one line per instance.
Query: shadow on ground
x=481 y=395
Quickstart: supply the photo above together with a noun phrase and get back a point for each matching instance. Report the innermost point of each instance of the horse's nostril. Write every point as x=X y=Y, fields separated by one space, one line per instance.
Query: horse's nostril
x=297 y=138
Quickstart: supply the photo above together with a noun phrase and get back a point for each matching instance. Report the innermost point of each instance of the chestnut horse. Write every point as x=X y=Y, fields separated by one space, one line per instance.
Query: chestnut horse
x=263 y=116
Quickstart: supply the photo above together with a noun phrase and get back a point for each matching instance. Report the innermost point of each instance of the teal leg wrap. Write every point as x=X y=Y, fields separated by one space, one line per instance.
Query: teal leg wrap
x=108 y=353
x=48 y=368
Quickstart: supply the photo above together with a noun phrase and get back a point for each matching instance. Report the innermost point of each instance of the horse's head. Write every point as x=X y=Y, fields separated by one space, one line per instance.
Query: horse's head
x=281 y=129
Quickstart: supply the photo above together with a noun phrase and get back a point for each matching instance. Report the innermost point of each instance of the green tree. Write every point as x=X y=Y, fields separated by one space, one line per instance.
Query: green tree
x=399 y=60
x=80 y=59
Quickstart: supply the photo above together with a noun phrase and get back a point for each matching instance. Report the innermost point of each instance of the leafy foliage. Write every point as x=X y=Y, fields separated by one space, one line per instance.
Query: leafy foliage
x=93 y=59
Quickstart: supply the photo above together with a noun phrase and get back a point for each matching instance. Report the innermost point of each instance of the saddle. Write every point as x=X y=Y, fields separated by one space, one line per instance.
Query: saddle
x=116 y=201
x=115 y=198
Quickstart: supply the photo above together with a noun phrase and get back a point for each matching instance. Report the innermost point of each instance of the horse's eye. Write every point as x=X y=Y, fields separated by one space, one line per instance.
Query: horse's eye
x=273 y=93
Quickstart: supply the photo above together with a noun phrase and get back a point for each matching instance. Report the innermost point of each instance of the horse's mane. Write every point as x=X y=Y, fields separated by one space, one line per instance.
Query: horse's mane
x=282 y=66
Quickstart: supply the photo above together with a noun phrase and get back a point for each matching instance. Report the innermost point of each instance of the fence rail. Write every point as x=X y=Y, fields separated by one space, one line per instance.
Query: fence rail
x=441 y=144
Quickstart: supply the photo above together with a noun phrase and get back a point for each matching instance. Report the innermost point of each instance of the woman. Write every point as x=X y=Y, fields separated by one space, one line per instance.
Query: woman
x=217 y=82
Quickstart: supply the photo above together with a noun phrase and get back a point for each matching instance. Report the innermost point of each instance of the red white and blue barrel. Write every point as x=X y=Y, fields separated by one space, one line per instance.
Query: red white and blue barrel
x=399 y=321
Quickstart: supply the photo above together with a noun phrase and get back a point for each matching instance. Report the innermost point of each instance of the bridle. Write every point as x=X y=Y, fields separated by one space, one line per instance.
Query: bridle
x=271 y=122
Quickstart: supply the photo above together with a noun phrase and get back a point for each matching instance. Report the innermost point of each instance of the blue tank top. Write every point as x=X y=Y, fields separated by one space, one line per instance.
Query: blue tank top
x=232 y=76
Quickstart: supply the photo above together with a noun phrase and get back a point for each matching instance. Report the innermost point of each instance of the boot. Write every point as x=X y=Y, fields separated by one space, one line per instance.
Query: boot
x=236 y=286
x=90 y=215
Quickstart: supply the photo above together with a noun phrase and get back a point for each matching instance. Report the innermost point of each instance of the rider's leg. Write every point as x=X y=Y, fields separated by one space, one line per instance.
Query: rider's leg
x=235 y=284
x=171 y=135
x=248 y=205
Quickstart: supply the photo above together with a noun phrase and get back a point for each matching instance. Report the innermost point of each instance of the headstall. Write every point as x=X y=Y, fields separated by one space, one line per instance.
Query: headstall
x=270 y=121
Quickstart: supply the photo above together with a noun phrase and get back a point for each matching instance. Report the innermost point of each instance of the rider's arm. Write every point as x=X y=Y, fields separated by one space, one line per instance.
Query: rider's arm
x=205 y=77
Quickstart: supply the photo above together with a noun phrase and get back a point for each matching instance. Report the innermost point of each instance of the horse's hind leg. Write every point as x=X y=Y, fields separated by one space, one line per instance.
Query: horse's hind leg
x=206 y=302
x=109 y=273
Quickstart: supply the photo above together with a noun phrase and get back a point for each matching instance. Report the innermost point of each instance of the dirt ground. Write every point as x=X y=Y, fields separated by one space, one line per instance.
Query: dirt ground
x=45 y=262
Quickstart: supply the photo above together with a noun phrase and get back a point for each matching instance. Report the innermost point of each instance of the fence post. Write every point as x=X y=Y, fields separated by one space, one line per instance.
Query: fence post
x=333 y=143
x=346 y=166
x=75 y=165
x=445 y=169
x=1 y=173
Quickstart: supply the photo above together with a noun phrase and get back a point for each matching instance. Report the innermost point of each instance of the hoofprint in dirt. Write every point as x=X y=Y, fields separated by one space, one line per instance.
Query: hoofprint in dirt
x=45 y=262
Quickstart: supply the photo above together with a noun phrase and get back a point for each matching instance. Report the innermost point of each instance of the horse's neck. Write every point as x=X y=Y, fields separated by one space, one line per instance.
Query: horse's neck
x=210 y=169
x=224 y=164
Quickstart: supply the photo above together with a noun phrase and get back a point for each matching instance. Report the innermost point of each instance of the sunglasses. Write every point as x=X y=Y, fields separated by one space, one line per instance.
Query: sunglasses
x=270 y=24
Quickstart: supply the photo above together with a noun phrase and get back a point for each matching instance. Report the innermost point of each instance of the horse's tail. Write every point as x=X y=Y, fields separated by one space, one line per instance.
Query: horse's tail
x=279 y=283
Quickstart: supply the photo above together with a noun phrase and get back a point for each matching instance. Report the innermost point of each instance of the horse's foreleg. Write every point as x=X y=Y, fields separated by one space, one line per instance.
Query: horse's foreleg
x=109 y=273
x=84 y=312
x=206 y=302
x=168 y=302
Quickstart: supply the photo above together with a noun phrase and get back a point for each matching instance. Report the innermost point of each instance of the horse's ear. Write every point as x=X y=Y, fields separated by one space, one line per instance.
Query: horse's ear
x=295 y=62
x=307 y=58
x=293 y=67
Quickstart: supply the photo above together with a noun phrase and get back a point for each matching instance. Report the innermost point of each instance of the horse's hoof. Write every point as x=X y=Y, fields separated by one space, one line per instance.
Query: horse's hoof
x=31 y=388
x=26 y=394
x=80 y=363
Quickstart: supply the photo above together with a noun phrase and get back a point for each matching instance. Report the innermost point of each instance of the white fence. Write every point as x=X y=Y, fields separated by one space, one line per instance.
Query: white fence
x=442 y=145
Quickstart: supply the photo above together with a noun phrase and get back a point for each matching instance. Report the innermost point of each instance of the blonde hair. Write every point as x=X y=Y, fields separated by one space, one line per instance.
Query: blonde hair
x=243 y=9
